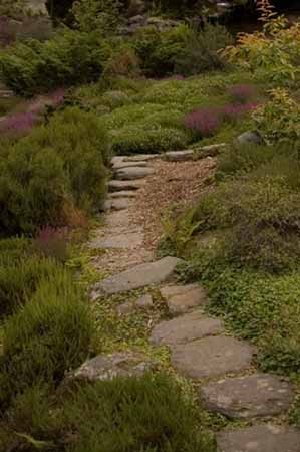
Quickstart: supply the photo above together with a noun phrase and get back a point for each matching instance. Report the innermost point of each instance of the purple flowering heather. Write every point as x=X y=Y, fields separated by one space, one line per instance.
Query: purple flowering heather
x=19 y=123
x=242 y=93
x=204 y=121
x=232 y=112
x=52 y=242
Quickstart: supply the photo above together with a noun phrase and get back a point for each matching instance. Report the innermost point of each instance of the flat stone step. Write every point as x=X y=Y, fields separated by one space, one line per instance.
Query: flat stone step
x=121 y=165
x=125 y=240
x=253 y=396
x=180 y=156
x=107 y=367
x=141 y=157
x=184 y=329
x=212 y=356
x=116 y=204
x=181 y=299
x=120 y=185
x=139 y=276
x=122 y=194
x=133 y=173
x=260 y=438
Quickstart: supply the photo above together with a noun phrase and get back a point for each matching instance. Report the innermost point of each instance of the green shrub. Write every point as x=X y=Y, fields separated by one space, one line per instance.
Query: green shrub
x=180 y=49
x=258 y=218
x=19 y=279
x=239 y=159
x=33 y=188
x=80 y=140
x=201 y=52
x=101 y=15
x=278 y=119
x=159 y=50
x=148 y=414
x=58 y=165
x=49 y=336
x=70 y=57
x=137 y=139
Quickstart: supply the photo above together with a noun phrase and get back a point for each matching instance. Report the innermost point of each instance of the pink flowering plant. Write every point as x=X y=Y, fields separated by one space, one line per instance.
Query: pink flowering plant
x=242 y=93
x=52 y=242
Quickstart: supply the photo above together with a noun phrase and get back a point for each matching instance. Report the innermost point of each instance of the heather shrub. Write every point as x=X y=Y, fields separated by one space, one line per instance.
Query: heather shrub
x=19 y=124
x=142 y=140
x=49 y=336
x=33 y=188
x=238 y=159
x=158 y=51
x=20 y=277
x=70 y=57
x=58 y=165
x=204 y=122
x=256 y=218
x=242 y=93
x=150 y=413
x=207 y=121
x=52 y=243
x=81 y=142
x=180 y=49
x=201 y=53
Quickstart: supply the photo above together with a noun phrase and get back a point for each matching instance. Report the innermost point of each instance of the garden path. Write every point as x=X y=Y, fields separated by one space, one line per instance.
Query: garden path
x=201 y=349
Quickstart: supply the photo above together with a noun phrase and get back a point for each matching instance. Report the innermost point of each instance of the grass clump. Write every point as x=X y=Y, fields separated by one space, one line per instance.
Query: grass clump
x=124 y=415
x=151 y=413
x=49 y=336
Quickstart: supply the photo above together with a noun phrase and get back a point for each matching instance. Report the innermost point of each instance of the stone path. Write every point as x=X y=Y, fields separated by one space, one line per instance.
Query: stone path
x=200 y=347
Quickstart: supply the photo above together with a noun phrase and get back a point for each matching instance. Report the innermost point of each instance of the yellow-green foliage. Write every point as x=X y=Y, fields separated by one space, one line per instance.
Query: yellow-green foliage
x=278 y=119
x=273 y=52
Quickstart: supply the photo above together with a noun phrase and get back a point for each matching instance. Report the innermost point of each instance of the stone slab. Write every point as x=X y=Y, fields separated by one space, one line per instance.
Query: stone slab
x=253 y=396
x=260 y=438
x=121 y=165
x=179 y=156
x=181 y=299
x=120 y=185
x=116 y=204
x=139 y=276
x=123 y=194
x=141 y=157
x=107 y=367
x=212 y=356
x=133 y=173
x=185 y=328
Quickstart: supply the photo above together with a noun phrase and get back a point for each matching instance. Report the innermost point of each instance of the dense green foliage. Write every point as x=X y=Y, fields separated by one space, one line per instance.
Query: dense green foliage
x=151 y=413
x=50 y=335
x=60 y=166
x=68 y=58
